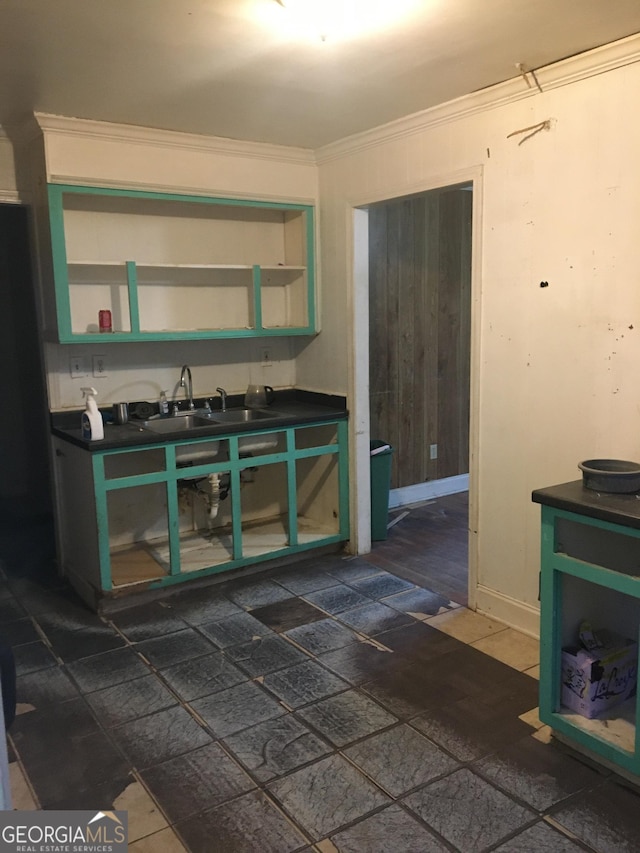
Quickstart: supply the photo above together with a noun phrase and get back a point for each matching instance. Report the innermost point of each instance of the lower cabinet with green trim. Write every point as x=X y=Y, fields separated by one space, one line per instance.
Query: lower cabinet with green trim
x=590 y=571
x=154 y=515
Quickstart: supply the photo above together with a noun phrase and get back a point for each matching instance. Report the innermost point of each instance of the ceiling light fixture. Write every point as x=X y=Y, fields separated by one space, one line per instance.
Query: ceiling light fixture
x=342 y=19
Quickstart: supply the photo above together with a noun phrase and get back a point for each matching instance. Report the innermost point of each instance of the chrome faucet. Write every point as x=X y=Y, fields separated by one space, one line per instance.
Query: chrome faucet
x=186 y=382
x=223 y=399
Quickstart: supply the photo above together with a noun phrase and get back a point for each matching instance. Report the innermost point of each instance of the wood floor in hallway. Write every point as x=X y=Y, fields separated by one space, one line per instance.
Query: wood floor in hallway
x=429 y=545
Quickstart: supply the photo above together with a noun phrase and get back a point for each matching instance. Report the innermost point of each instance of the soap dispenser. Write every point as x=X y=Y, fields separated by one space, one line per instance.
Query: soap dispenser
x=163 y=406
x=92 y=425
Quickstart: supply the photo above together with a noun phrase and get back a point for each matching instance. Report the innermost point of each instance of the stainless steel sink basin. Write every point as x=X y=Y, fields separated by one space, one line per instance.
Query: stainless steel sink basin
x=183 y=423
x=240 y=416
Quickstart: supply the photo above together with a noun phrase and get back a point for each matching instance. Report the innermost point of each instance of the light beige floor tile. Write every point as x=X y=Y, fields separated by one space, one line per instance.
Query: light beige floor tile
x=532 y=719
x=165 y=841
x=534 y=672
x=511 y=647
x=465 y=625
x=21 y=794
x=544 y=734
x=144 y=815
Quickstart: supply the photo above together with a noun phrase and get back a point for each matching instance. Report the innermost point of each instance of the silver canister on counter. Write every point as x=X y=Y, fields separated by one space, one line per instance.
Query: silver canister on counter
x=120 y=413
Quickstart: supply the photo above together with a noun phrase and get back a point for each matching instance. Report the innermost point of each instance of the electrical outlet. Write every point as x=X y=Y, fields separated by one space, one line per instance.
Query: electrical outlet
x=99 y=366
x=77 y=366
x=266 y=357
x=433 y=451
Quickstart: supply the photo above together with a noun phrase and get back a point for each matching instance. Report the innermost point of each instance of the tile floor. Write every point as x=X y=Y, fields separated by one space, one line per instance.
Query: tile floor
x=330 y=707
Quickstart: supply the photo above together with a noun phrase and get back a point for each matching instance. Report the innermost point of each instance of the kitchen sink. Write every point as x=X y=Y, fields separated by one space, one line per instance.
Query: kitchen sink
x=182 y=423
x=237 y=416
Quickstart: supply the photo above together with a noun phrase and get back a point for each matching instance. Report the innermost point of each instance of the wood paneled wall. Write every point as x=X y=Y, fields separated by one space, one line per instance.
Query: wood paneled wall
x=420 y=329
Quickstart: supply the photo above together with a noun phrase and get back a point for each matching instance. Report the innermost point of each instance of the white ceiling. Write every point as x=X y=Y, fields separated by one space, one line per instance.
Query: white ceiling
x=235 y=68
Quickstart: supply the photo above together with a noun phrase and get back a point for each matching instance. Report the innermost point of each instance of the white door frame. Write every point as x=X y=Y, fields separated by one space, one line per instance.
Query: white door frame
x=358 y=264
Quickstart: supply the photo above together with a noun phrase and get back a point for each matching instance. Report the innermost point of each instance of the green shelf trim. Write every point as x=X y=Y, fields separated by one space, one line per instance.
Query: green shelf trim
x=236 y=513
x=132 y=285
x=170 y=580
x=257 y=297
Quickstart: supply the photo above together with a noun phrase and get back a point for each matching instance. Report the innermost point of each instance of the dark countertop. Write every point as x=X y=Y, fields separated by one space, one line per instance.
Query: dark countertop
x=289 y=408
x=574 y=497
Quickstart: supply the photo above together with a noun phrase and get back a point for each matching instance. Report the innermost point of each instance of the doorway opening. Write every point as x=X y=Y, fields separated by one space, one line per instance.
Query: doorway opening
x=421 y=333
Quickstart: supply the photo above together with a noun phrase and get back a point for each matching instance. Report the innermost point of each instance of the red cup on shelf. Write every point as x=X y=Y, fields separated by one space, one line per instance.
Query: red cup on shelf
x=104 y=320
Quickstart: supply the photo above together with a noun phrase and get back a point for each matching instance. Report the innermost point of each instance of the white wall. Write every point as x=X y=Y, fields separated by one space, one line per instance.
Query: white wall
x=555 y=368
x=8 y=186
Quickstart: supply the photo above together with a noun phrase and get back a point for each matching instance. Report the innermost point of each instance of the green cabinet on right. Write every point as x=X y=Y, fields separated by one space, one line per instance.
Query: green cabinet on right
x=590 y=571
x=178 y=267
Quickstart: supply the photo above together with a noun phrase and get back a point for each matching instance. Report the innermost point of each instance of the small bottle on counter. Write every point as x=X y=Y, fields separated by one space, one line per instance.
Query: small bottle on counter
x=163 y=406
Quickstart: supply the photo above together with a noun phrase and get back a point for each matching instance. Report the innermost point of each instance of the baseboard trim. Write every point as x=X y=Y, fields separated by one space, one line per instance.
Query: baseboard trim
x=516 y=614
x=431 y=489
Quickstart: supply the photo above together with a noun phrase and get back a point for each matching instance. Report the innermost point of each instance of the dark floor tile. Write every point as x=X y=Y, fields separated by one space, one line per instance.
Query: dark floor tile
x=358 y=662
x=125 y=702
x=392 y=829
x=381 y=585
x=194 y=679
x=75 y=645
x=256 y=593
x=150 y=620
x=284 y=615
x=353 y=569
x=198 y=607
x=336 y=599
x=32 y=657
x=302 y=581
x=400 y=759
x=469 y=812
x=323 y=636
x=540 y=838
x=237 y=708
x=374 y=618
x=346 y=717
x=606 y=818
x=406 y=691
x=240 y=628
x=418 y=602
x=19 y=632
x=107 y=669
x=276 y=747
x=159 y=737
x=250 y=823
x=327 y=795
x=265 y=654
x=466 y=737
x=195 y=781
x=10 y=611
x=419 y=641
x=540 y=775
x=304 y=683
x=46 y=687
x=175 y=648
x=83 y=773
x=37 y=732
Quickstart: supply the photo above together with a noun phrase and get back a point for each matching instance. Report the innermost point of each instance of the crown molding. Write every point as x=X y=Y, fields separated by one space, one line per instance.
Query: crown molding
x=133 y=134
x=580 y=67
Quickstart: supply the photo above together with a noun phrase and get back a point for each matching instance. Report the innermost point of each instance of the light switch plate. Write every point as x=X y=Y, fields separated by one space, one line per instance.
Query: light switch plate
x=99 y=366
x=77 y=366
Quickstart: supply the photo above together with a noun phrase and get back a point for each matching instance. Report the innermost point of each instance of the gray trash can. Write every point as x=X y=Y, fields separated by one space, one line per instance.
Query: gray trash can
x=380 y=455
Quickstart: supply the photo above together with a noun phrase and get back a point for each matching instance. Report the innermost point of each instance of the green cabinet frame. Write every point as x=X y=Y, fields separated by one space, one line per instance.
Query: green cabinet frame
x=569 y=573
x=257 y=274
x=234 y=465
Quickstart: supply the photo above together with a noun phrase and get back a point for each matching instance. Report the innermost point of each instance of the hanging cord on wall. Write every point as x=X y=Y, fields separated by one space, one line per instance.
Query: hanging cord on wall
x=534 y=128
x=525 y=73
